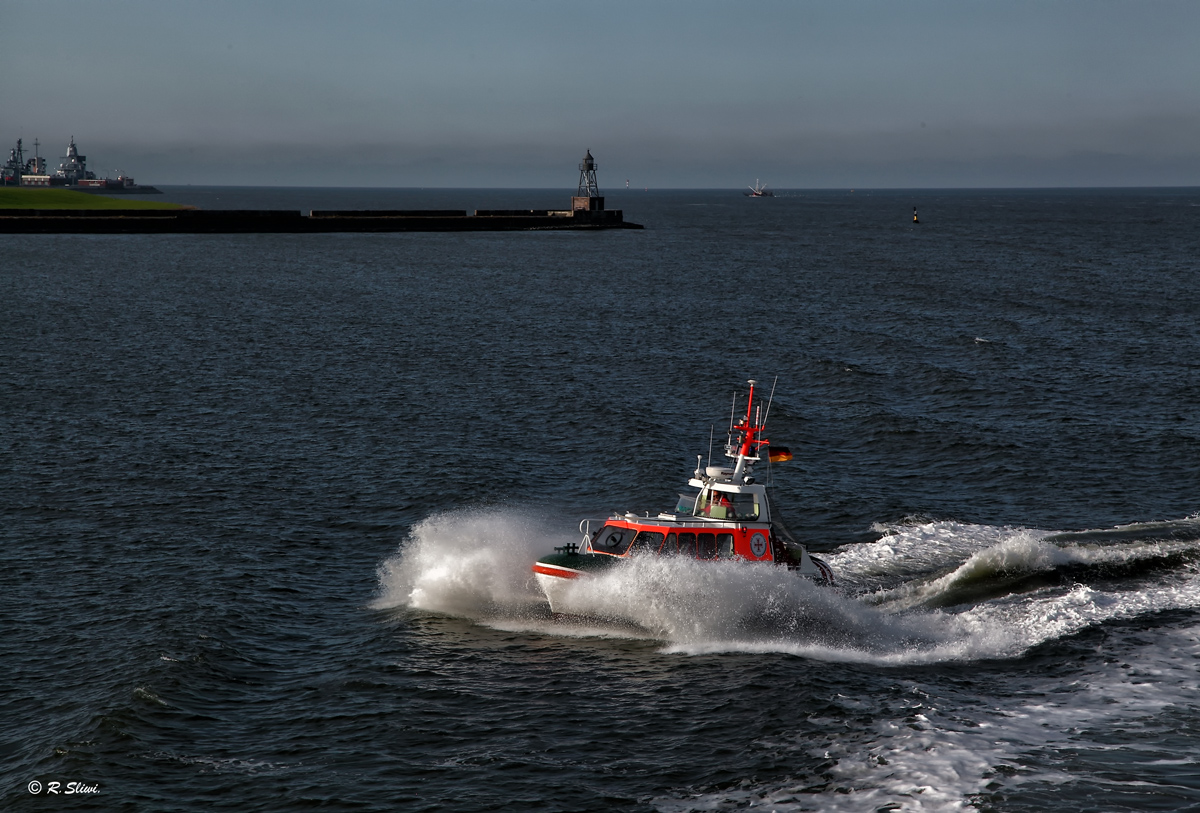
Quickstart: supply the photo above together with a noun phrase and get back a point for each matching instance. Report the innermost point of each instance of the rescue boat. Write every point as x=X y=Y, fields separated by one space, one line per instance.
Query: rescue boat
x=724 y=514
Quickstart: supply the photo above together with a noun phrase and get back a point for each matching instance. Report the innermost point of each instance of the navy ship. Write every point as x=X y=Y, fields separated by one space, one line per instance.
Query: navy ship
x=72 y=173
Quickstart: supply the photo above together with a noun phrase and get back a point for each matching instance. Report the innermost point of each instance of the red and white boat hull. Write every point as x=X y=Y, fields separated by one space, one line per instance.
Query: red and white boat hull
x=555 y=580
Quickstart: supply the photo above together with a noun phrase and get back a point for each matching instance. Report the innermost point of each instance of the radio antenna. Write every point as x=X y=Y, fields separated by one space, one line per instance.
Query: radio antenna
x=769 y=400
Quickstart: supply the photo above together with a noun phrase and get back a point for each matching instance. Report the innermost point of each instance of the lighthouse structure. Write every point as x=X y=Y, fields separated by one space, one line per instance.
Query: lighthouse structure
x=587 y=198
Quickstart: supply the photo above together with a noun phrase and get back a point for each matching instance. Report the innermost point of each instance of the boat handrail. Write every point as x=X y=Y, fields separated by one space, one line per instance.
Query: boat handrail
x=585 y=526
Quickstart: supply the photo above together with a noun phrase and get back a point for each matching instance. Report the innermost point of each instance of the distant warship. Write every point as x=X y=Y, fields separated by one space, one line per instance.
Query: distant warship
x=72 y=173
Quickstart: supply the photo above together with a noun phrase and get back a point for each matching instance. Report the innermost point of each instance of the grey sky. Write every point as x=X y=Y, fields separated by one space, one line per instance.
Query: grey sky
x=862 y=94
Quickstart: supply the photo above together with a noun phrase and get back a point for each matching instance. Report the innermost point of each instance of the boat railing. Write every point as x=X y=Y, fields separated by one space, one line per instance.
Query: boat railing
x=585 y=527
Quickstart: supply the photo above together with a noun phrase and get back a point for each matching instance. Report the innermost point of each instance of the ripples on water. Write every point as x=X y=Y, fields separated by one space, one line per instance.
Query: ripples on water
x=270 y=504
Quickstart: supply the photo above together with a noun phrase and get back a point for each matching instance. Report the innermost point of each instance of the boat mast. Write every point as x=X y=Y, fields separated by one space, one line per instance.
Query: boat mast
x=749 y=436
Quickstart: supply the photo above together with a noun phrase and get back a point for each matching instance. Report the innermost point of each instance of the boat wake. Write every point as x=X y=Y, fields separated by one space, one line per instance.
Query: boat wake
x=923 y=593
x=926 y=749
x=949 y=564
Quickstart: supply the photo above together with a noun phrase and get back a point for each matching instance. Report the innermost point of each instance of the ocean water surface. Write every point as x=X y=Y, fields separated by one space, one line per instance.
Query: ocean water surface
x=270 y=504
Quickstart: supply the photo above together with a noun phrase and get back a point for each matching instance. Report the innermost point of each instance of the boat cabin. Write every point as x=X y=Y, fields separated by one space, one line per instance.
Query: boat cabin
x=715 y=521
x=625 y=537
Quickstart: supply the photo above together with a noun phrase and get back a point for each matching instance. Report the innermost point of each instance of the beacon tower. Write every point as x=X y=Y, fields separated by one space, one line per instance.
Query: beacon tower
x=587 y=197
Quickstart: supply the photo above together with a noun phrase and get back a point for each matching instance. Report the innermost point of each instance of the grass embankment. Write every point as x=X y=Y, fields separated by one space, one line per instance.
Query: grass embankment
x=14 y=197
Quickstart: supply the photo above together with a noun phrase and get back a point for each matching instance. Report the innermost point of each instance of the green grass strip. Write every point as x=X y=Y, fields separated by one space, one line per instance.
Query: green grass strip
x=15 y=197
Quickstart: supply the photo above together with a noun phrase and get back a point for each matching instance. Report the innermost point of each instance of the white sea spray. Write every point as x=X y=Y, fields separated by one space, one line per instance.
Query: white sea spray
x=477 y=564
x=472 y=563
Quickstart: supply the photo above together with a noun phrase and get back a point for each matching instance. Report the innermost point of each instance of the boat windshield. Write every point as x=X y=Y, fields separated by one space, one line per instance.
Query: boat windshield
x=613 y=539
x=719 y=505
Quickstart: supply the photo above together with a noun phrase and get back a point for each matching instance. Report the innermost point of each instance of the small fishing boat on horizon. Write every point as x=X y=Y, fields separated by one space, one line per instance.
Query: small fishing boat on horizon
x=724 y=515
x=759 y=191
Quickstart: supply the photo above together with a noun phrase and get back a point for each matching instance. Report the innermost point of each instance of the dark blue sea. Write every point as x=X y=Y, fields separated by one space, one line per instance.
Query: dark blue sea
x=269 y=505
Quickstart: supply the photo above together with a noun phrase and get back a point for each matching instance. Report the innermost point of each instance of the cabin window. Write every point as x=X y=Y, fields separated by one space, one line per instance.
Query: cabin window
x=720 y=505
x=745 y=506
x=672 y=546
x=725 y=546
x=687 y=503
x=687 y=545
x=613 y=539
x=707 y=546
x=648 y=542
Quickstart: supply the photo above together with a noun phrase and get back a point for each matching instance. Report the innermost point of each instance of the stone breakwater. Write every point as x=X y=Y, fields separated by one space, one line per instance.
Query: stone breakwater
x=233 y=221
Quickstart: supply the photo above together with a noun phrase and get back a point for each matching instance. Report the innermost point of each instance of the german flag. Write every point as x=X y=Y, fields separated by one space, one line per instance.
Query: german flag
x=778 y=454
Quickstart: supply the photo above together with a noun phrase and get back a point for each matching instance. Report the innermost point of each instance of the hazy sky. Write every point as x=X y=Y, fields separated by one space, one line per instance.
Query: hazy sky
x=876 y=93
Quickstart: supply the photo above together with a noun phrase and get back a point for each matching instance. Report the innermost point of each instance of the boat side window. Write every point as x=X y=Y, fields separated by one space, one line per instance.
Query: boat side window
x=708 y=546
x=647 y=542
x=745 y=506
x=687 y=503
x=613 y=539
x=687 y=544
x=717 y=506
x=725 y=546
x=672 y=546
x=724 y=505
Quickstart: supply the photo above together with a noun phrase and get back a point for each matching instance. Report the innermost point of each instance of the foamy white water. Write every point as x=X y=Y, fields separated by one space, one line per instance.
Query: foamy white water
x=934 y=754
x=476 y=564
x=924 y=752
x=473 y=564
